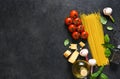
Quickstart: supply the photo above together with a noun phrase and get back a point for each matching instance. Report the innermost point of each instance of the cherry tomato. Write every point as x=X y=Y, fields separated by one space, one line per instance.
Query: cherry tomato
x=72 y=28
x=80 y=28
x=68 y=21
x=84 y=35
x=76 y=35
x=77 y=21
x=73 y=14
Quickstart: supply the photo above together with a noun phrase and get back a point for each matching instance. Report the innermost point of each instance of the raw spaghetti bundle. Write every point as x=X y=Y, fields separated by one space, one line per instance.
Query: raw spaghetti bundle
x=96 y=37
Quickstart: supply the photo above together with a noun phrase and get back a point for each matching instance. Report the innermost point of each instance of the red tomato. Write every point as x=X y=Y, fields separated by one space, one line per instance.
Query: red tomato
x=80 y=28
x=73 y=14
x=72 y=28
x=77 y=21
x=68 y=21
x=84 y=35
x=76 y=35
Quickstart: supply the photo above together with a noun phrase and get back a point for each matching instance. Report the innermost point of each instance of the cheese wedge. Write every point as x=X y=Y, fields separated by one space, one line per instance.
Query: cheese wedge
x=73 y=57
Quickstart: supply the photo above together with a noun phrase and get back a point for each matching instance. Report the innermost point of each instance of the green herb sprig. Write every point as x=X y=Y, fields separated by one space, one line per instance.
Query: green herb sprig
x=99 y=74
x=107 y=45
x=96 y=74
x=104 y=21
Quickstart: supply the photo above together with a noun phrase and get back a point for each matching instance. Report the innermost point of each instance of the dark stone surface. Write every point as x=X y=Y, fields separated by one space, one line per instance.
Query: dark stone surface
x=32 y=34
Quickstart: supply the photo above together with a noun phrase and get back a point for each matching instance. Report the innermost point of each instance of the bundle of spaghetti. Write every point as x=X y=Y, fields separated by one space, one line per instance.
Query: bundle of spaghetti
x=94 y=27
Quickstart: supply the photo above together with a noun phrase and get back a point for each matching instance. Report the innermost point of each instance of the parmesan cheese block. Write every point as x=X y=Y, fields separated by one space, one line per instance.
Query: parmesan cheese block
x=73 y=46
x=67 y=53
x=73 y=57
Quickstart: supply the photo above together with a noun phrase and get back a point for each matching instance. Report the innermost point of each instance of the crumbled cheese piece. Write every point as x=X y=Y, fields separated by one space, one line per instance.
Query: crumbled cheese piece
x=67 y=53
x=73 y=57
x=73 y=46
x=82 y=44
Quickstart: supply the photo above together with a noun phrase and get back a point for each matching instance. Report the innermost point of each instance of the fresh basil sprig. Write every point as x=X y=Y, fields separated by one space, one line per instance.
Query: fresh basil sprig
x=96 y=74
x=107 y=45
x=99 y=74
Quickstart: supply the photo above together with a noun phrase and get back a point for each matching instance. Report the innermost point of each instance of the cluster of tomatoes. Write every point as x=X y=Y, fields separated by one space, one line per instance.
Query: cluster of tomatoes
x=75 y=26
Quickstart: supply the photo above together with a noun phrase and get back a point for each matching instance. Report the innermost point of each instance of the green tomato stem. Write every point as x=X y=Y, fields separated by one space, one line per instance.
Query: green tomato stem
x=112 y=18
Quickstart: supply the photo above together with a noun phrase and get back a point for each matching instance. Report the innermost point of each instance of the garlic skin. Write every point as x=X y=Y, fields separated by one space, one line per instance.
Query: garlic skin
x=84 y=52
x=92 y=62
x=107 y=11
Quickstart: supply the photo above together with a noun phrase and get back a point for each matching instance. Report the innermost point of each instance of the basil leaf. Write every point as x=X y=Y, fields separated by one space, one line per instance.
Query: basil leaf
x=96 y=74
x=109 y=28
x=108 y=45
x=66 y=42
x=103 y=76
x=106 y=38
x=103 y=20
x=107 y=52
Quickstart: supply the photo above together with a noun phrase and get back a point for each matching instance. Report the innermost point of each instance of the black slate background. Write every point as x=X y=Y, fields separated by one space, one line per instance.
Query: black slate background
x=32 y=34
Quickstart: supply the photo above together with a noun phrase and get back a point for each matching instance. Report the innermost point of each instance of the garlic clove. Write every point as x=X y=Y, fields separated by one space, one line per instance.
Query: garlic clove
x=84 y=52
x=92 y=62
x=107 y=11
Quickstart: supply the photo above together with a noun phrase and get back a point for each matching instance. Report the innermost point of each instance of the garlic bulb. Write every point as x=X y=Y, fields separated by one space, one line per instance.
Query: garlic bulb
x=84 y=52
x=92 y=62
x=108 y=11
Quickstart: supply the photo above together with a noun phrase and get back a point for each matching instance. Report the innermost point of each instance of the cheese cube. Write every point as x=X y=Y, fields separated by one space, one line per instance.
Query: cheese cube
x=82 y=44
x=73 y=46
x=67 y=53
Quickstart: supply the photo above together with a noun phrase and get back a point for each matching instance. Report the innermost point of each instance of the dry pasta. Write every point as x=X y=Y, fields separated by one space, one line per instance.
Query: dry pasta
x=96 y=37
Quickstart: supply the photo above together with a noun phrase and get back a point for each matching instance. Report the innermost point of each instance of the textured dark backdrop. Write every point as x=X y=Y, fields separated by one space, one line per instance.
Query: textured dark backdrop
x=32 y=34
